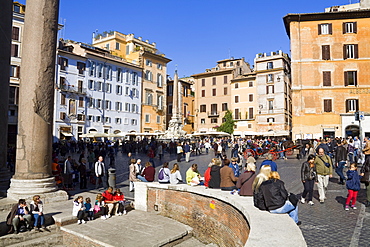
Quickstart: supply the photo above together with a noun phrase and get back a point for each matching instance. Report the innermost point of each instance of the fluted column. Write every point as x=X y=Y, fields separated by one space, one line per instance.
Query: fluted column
x=35 y=120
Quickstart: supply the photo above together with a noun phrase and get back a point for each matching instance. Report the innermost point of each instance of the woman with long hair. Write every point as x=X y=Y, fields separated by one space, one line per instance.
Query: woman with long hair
x=308 y=177
x=175 y=175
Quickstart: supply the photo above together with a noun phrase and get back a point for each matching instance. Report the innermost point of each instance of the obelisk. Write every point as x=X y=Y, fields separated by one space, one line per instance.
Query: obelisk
x=35 y=121
x=5 y=44
x=175 y=98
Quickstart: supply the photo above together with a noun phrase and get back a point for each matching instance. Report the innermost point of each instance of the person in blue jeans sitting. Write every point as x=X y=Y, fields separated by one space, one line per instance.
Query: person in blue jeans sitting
x=275 y=197
x=37 y=210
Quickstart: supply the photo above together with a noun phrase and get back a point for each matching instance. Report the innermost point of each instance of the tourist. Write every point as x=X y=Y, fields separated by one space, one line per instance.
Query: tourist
x=324 y=169
x=193 y=177
x=79 y=210
x=246 y=179
x=148 y=173
x=353 y=185
x=83 y=177
x=19 y=213
x=132 y=175
x=89 y=208
x=164 y=174
x=262 y=176
x=100 y=173
x=235 y=166
x=341 y=155
x=275 y=197
x=215 y=180
x=207 y=175
x=179 y=152
x=227 y=177
x=37 y=210
x=109 y=201
x=120 y=198
x=100 y=209
x=268 y=161
x=308 y=177
x=175 y=175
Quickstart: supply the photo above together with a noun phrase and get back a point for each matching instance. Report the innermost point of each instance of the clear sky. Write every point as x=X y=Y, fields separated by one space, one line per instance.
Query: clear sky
x=194 y=34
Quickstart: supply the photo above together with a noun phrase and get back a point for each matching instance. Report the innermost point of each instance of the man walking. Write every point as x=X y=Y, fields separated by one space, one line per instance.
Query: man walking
x=340 y=160
x=324 y=169
x=100 y=173
x=187 y=151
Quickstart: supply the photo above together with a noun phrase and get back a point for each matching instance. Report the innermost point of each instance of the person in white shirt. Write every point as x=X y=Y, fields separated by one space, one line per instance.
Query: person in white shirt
x=166 y=174
x=100 y=173
x=175 y=175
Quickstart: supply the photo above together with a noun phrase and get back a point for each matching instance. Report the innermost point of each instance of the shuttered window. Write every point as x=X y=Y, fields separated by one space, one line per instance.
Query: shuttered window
x=327 y=105
x=225 y=79
x=203 y=93
x=203 y=82
x=325 y=52
x=325 y=28
x=350 y=51
x=250 y=115
x=350 y=27
x=350 y=78
x=352 y=105
x=326 y=78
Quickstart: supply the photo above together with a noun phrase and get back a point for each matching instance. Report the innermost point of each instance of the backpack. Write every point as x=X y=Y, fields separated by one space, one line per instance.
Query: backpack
x=161 y=174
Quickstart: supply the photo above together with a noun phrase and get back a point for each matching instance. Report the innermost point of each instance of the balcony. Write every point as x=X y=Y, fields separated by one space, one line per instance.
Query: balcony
x=213 y=114
x=72 y=89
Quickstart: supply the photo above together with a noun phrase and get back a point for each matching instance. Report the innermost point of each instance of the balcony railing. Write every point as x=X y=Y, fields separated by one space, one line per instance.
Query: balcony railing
x=72 y=89
x=213 y=113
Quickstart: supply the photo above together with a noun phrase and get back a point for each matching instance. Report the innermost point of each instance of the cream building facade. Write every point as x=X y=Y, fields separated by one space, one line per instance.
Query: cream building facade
x=330 y=71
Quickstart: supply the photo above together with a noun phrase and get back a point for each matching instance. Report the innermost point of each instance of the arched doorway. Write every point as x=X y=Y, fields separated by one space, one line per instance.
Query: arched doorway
x=352 y=130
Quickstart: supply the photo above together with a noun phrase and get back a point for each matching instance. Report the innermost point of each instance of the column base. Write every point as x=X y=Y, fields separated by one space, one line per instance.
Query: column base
x=27 y=188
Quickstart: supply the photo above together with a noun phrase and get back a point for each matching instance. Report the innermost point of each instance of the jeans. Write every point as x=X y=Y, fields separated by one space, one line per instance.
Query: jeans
x=339 y=170
x=308 y=189
x=322 y=186
x=39 y=220
x=27 y=218
x=287 y=208
x=142 y=178
x=104 y=181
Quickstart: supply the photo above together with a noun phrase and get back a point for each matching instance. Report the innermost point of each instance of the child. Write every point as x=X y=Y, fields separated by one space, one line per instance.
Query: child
x=118 y=196
x=353 y=186
x=79 y=210
x=89 y=209
x=100 y=209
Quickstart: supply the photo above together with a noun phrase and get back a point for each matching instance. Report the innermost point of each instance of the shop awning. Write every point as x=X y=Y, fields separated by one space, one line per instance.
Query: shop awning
x=66 y=133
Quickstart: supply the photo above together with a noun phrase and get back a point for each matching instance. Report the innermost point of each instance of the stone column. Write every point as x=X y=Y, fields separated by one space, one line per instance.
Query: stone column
x=35 y=120
x=5 y=44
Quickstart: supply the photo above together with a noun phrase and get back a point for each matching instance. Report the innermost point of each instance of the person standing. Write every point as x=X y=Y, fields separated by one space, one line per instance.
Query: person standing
x=160 y=150
x=179 y=152
x=68 y=171
x=353 y=185
x=100 y=173
x=132 y=174
x=340 y=160
x=187 y=151
x=268 y=162
x=151 y=155
x=324 y=168
x=308 y=177
x=366 y=150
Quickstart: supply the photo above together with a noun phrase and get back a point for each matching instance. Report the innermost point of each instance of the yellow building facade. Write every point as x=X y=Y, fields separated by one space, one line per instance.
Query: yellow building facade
x=154 y=65
x=330 y=72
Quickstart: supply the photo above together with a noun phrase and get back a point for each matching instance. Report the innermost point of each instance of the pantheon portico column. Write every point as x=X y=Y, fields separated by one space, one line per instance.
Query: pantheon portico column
x=35 y=121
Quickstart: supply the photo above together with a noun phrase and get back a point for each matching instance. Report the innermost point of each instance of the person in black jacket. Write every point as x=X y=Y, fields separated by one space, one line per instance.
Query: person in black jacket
x=215 y=180
x=308 y=177
x=275 y=197
x=340 y=161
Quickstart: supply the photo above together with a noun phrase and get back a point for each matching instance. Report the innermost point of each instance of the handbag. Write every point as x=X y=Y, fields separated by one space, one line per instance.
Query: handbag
x=293 y=199
x=325 y=163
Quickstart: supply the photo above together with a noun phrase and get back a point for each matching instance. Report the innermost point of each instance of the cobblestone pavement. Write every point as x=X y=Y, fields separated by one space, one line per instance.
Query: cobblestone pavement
x=325 y=224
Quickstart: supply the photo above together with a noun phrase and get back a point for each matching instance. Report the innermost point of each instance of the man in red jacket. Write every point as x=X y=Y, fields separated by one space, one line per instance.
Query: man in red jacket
x=108 y=199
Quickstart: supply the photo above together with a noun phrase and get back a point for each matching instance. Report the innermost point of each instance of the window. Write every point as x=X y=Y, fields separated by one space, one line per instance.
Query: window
x=90 y=118
x=270 y=120
x=169 y=108
x=158 y=119
x=80 y=101
x=159 y=66
x=127 y=49
x=62 y=99
x=127 y=91
x=149 y=98
x=249 y=126
x=270 y=89
x=98 y=86
x=203 y=108
x=203 y=93
x=135 y=108
x=271 y=105
x=350 y=27
x=119 y=74
x=251 y=84
x=148 y=62
x=98 y=119
x=15 y=33
x=91 y=102
x=62 y=83
x=17 y=8
x=133 y=122
x=326 y=78
x=350 y=78
x=203 y=82
x=108 y=87
x=13 y=95
x=148 y=75
x=100 y=70
x=63 y=115
x=236 y=99
x=327 y=105
x=107 y=46
x=80 y=117
x=213 y=120
x=350 y=51
x=118 y=120
x=225 y=90
x=159 y=80
x=236 y=85
x=270 y=65
x=270 y=78
x=81 y=67
x=352 y=105
x=214 y=109
x=127 y=107
x=14 y=71
x=325 y=49
x=63 y=62
x=225 y=79
x=92 y=68
x=160 y=102
x=250 y=113
x=147 y=118
x=231 y=64
x=202 y=121
x=99 y=103
x=214 y=81
x=119 y=90
x=213 y=91
x=14 y=50
x=325 y=28
x=117 y=46
x=107 y=119
x=237 y=113
x=251 y=98
x=224 y=107
x=108 y=71
x=108 y=105
x=80 y=86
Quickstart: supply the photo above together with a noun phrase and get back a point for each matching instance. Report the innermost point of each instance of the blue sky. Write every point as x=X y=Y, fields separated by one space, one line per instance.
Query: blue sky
x=193 y=33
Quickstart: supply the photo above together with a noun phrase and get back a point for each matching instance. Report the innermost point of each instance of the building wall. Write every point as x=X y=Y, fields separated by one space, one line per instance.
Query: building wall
x=308 y=67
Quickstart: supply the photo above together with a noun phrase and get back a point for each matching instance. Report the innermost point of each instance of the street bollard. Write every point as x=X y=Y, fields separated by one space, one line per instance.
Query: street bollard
x=112 y=177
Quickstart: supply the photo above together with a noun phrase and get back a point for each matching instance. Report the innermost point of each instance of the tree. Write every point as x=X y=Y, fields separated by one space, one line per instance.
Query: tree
x=228 y=125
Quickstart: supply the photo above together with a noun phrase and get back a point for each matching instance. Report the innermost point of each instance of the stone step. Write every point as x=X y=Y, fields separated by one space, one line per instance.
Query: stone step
x=22 y=237
x=191 y=242
x=55 y=239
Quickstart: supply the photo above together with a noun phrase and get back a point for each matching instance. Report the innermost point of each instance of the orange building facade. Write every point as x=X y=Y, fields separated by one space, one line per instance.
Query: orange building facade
x=330 y=54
